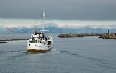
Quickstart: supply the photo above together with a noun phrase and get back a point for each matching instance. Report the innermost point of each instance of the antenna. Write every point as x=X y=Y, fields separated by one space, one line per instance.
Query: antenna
x=43 y=14
x=43 y=21
x=43 y=18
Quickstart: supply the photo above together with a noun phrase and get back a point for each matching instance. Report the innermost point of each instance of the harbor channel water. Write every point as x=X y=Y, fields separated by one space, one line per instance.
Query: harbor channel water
x=68 y=55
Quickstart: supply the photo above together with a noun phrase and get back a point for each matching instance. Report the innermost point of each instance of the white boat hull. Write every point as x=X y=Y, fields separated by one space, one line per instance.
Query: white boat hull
x=38 y=47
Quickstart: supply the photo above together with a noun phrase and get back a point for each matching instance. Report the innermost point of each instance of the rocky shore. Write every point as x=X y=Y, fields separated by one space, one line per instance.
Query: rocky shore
x=108 y=36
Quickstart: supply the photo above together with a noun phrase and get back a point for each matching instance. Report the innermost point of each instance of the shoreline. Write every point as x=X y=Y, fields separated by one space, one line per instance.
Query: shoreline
x=6 y=40
x=2 y=40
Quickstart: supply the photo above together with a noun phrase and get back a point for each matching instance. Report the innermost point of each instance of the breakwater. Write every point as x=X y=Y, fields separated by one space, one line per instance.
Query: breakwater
x=70 y=35
x=100 y=35
x=108 y=36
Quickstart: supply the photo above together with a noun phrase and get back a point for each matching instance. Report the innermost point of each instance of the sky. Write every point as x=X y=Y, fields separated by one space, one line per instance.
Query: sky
x=61 y=13
x=59 y=9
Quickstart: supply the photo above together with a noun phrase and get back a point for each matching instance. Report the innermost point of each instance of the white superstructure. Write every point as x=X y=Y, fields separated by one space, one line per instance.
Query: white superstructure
x=39 y=42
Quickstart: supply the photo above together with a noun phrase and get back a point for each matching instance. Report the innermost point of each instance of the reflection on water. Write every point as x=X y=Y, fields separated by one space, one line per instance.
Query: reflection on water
x=69 y=55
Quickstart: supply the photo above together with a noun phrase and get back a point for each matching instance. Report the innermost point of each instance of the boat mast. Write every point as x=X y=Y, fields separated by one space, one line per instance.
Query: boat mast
x=43 y=20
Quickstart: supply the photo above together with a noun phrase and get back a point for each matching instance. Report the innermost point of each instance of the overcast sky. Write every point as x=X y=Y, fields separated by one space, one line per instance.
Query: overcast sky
x=59 y=9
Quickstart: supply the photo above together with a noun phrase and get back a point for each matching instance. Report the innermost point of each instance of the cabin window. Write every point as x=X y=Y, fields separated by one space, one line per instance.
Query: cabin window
x=49 y=42
x=29 y=44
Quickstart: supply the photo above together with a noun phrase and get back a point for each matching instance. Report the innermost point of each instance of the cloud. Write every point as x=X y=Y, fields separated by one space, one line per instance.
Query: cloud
x=83 y=24
x=30 y=23
x=18 y=26
x=17 y=23
x=59 y=9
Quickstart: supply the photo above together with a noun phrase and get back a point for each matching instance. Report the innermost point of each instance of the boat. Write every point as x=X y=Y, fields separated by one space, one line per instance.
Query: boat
x=39 y=42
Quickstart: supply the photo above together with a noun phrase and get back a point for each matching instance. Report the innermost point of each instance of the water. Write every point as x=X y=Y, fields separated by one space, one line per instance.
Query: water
x=69 y=55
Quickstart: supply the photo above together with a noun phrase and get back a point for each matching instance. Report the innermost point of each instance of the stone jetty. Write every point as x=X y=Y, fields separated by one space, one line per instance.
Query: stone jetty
x=100 y=35
x=108 y=36
x=70 y=35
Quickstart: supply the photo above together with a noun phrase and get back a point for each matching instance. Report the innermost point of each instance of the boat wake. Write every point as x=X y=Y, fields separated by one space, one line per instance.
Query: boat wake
x=11 y=55
x=100 y=62
x=15 y=55
x=3 y=52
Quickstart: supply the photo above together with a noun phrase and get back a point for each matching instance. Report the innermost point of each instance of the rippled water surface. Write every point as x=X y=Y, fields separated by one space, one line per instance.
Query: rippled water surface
x=69 y=55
